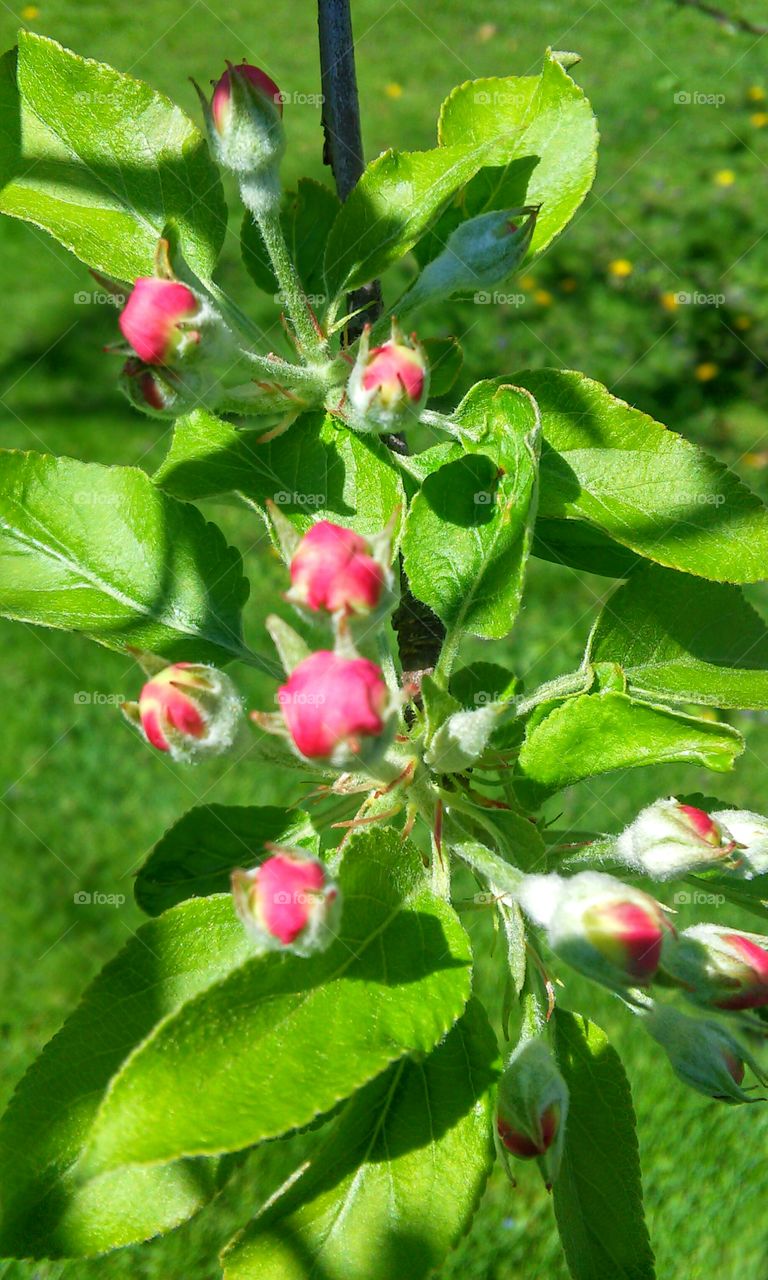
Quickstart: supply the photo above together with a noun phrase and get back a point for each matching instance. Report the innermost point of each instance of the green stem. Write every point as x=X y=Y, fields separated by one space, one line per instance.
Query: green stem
x=296 y=304
x=560 y=687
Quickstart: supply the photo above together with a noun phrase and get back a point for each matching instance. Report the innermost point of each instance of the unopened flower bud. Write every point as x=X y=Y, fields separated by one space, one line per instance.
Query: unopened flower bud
x=612 y=932
x=187 y=709
x=288 y=903
x=333 y=569
x=159 y=320
x=246 y=132
x=389 y=384
x=720 y=967
x=532 y=1107
x=703 y=1054
x=333 y=706
x=750 y=831
x=669 y=839
x=481 y=252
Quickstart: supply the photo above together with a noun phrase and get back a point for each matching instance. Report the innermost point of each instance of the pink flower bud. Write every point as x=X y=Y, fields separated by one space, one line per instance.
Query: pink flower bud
x=703 y=1054
x=669 y=839
x=288 y=903
x=389 y=384
x=720 y=967
x=333 y=569
x=612 y=932
x=152 y=318
x=221 y=103
x=187 y=709
x=330 y=704
x=532 y=1107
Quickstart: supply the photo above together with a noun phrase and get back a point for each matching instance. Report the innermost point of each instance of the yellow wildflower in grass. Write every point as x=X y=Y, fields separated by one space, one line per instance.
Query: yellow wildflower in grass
x=756 y=93
x=759 y=119
x=543 y=297
x=706 y=371
x=527 y=283
x=30 y=12
x=393 y=89
x=669 y=301
x=486 y=31
x=743 y=323
x=724 y=178
x=620 y=268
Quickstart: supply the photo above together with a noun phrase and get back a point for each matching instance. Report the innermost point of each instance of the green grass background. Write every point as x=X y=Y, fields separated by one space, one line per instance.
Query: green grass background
x=680 y=197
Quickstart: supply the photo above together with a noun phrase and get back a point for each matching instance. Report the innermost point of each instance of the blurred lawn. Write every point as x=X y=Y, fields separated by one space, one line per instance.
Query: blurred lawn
x=678 y=209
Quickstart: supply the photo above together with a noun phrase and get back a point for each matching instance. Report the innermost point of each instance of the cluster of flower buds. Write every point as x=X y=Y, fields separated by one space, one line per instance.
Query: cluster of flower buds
x=720 y=967
x=532 y=1105
x=669 y=839
x=187 y=709
x=288 y=903
x=609 y=931
x=335 y=705
x=389 y=384
x=246 y=134
x=703 y=1054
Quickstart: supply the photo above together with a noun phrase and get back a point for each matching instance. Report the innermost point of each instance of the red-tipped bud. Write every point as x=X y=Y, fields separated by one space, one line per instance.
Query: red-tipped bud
x=750 y=831
x=259 y=83
x=669 y=839
x=333 y=569
x=246 y=134
x=160 y=394
x=719 y=967
x=157 y=320
x=703 y=1054
x=288 y=903
x=332 y=704
x=532 y=1107
x=389 y=384
x=610 y=931
x=187 y=709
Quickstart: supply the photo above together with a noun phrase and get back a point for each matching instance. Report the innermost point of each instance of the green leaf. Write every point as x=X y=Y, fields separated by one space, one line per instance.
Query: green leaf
x=445 y=360
x=283 y=1039
x=582 y=546
x=104 y=163
x=49 y=1208
x=598 y=1193
x=307 y=216
x=196 y=855
x=685 y=639
x=468 y=531
x=101 y=550
x=640 y=483
x=315 y=470
x=546 y=118
x=596 y=733
x=397 y=1181
x=482 y=682
x=538 y=133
